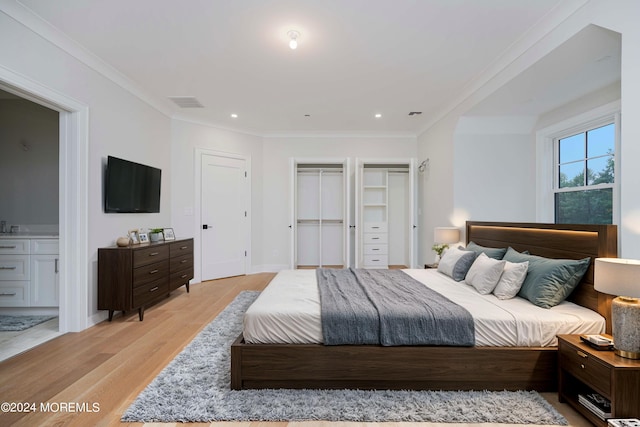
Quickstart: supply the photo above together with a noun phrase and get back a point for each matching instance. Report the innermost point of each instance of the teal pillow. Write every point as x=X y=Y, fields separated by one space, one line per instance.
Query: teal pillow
x=549 y=281
x=495 y=253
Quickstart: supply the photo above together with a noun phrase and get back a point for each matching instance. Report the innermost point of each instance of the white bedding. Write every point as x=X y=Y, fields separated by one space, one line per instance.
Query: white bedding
x=288 y=311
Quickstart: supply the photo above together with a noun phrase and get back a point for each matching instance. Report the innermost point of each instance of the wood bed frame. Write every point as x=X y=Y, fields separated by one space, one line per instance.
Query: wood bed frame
x=429 y=367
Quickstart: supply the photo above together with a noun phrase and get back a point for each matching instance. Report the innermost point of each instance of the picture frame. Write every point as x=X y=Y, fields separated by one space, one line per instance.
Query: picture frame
x=143 y=237
x=169 y=234
x=133 y=235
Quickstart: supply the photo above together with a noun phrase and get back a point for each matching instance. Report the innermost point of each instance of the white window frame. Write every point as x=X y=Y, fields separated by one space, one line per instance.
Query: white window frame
x=547 y=159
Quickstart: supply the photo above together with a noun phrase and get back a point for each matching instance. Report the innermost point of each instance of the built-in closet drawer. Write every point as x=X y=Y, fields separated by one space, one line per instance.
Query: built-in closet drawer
x=381 y=261
x=376 y=249
x=375 y=238
x=375 y=227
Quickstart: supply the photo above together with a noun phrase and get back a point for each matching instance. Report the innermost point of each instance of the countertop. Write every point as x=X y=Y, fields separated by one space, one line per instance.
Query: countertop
x=30 y=235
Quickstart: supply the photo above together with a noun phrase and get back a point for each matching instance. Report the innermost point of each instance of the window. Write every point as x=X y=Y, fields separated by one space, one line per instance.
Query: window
x=585 y=176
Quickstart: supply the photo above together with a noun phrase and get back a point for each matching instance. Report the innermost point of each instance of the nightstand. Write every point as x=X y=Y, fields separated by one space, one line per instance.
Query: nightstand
x=584 y=370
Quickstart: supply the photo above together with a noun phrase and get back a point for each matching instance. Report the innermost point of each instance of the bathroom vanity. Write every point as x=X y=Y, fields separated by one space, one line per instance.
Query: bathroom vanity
x=29 y=267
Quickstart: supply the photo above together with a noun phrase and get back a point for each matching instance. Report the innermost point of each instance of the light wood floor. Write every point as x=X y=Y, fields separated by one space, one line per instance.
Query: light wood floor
x=111 y=363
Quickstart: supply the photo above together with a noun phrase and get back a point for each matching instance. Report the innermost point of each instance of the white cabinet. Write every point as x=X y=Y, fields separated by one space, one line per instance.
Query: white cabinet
x=29 y=273
x=44 y=273
x=385 y=217
x=320 y=212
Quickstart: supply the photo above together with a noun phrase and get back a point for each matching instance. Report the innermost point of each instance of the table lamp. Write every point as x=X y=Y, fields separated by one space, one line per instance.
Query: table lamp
x=443 y=237
x=621 y=277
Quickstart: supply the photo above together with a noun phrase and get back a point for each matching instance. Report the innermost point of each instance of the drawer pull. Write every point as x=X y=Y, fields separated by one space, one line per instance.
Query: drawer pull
x=375 y=238
x=153 y=271
x=582 y=365
x=375 y=249
x=581 y=354
x=8 y=247
x=183 y=261
x=8 y=294
x=375 y=260
x=154 y=253
x=155 y=288
x=375 y=227
x=8 y=268
x=183 y=276
x=183 y=247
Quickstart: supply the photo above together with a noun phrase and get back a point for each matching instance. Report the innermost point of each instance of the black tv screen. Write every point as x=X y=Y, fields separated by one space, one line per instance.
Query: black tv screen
x=131 y=187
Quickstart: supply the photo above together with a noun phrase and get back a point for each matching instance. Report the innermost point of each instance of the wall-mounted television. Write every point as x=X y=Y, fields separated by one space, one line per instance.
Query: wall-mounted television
x=131 y=187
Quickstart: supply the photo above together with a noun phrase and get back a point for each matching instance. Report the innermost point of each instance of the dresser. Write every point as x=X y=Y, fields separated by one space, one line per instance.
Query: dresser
x=137 y=276
x=29 y=271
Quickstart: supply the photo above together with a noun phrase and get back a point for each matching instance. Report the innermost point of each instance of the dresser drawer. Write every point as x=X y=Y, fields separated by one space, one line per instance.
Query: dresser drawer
x=179 y=248
x=150 y=291
x=375 y=238
x=375 y=227
x=180 y=278
x=14 y=247
x=150 y=255
x=151 y=272
x=375 y=249
x=181 y=262
x=14 y=294
x=376 y=261
x=14 y=267
x=586 y=368
x=45 y=246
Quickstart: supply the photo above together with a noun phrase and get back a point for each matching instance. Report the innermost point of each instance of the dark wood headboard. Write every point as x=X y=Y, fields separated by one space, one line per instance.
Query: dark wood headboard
x=567 y=241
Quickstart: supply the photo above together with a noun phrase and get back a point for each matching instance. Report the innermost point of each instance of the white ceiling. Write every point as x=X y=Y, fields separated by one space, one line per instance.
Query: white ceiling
x=355 y=57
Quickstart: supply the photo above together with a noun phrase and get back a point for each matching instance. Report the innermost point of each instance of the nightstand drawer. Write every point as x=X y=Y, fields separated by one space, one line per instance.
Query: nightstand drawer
x=586 y=368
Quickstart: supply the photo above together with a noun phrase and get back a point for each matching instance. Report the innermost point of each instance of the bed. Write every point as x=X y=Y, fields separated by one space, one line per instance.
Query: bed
x=490 y=367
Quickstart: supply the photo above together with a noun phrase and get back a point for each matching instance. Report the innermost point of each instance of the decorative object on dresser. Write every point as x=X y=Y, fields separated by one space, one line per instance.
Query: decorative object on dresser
x=143 y=237
x=168 y=234
x=442 y=238
x=133 y=236
x=123 y=241
x=134 y=277
x=155 y=234
x=598 y=384
x=621 y=277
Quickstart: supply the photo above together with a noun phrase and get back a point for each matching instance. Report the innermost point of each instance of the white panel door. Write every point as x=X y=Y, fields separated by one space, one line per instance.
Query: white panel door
x=224 y=216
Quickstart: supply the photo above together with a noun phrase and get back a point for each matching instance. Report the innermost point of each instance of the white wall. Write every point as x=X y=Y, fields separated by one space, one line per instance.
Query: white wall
x=120 y=124
x=276 y=180
x=28 y=164
x=437 y=142
x=186 y=137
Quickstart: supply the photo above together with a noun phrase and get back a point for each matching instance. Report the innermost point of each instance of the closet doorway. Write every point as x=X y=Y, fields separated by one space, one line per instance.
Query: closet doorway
x=320 y=213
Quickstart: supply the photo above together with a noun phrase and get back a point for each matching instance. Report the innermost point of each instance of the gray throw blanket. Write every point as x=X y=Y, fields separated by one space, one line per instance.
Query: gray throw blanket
x=388 y=307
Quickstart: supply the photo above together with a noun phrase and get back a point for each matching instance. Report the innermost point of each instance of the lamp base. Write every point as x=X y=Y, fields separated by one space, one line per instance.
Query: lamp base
x=625 y=315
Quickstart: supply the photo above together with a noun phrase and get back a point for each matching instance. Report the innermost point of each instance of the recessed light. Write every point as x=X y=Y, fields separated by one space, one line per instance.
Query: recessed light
x=234 y=116
x=378 y=115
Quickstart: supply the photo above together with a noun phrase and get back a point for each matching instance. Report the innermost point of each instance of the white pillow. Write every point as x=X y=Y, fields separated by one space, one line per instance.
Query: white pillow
x=455 y=263
x=485 y=273
x=511 y=280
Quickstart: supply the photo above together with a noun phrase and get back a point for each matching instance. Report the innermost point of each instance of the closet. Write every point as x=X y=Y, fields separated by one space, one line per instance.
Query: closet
x=320 y=213
x=385 y=213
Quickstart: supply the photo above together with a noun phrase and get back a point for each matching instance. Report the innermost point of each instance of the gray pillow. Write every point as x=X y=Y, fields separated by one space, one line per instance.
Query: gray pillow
x=456 y=262
x=495 y=253
x=549 y=281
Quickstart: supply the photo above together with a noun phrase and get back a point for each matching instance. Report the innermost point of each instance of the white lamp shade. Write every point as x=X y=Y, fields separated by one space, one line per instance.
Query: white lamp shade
x=617 y=276
x=446 y=235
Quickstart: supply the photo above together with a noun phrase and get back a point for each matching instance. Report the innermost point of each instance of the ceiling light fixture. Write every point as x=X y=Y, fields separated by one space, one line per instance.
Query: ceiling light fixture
x=293 y=36
x=234 y=116
x=378 y=115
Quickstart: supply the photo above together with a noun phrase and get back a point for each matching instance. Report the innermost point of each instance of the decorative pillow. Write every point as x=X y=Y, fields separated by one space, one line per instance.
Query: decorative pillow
x=495 y=253
x=484 y=273
x=456 y=262
x=511 y=280
x=548 y=281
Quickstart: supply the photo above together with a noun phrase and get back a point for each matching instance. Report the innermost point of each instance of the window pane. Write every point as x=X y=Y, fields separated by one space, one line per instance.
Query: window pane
x=572 y=148
x=572 y=175
x=601 y=141
x=585 y=207
x=600 y=170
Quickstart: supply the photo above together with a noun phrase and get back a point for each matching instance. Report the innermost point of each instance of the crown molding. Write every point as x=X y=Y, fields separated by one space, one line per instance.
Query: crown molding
x=29 y=19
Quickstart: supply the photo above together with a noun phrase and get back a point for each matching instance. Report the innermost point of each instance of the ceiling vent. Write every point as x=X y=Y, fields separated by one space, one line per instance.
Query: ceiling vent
x=186 y=101
x=415 y=113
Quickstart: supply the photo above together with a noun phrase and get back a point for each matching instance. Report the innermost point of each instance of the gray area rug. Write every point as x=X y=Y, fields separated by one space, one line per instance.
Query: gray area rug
x=20 y=323
x=194 y=387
